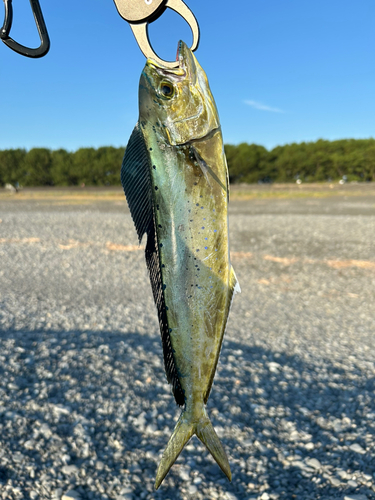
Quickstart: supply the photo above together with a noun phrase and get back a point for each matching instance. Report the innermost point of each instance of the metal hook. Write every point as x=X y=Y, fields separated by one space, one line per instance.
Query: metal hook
x=40 y=24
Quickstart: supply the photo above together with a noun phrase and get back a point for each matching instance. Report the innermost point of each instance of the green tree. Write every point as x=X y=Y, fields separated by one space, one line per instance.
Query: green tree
x=37 y=168
x=62 y=169
x=11 y=161
x=243 y=162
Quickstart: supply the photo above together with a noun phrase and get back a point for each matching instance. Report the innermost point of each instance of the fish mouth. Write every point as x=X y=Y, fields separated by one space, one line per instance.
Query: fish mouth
x=186 y=66
x=173 y=73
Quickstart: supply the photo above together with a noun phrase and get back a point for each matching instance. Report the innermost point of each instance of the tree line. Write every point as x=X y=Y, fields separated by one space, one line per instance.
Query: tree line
x=249 y=163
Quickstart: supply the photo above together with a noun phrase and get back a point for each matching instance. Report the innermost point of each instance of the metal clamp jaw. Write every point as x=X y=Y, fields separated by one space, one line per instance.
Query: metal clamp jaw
x=139 y=13
x=40 y=24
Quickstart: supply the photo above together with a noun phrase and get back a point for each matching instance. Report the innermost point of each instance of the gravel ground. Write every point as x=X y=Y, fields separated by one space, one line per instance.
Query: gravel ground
x=85 y=410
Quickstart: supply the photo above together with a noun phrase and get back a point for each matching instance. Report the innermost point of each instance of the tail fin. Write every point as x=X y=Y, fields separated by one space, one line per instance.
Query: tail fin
x=206 y=433
x=183 y=431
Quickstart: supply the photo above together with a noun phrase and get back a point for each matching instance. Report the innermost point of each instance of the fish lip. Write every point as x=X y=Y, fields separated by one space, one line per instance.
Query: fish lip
x=178 y=73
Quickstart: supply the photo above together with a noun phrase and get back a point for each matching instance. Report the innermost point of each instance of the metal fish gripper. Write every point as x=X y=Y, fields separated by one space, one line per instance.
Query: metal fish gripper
x=140 y=13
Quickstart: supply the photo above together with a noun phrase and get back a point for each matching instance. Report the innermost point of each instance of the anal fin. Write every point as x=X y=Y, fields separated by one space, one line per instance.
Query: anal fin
x=234 y=288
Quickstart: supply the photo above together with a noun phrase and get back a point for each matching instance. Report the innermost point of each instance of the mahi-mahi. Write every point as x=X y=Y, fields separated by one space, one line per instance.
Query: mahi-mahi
x=175 y=179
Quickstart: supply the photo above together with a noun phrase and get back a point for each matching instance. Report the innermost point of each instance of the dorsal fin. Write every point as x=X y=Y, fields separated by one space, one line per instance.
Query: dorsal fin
x=136 y=181
x=135 y=178
x=153 y=264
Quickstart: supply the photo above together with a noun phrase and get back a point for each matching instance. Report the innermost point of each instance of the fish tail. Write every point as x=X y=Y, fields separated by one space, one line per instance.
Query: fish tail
x=181 y=435
x=206 y=433
x=183 y=431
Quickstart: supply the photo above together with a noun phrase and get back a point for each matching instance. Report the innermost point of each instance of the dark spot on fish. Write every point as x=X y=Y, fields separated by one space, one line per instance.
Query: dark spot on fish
x=163 y=265
x=170 y=330
x=197 y=249
x=206 y=238
x=215 y=230
x=213 y=210
x=159 y=225
x=161 y=244
x=157 y=207
x=197 y=204
x=202 y=227
x=191 y=220
x=164 y=286
x=154 y=167
x=201 y=196
x=206 y=248
x=150 y=149
x=166 y=307
x=156 y=188
x=202 y=207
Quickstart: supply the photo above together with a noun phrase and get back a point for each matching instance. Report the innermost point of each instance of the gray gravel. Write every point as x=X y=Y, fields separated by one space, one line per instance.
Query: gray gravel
x=85 y=410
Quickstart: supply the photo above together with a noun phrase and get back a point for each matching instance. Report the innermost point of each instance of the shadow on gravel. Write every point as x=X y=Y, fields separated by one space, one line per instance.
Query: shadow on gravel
x=91 y=411
x=313 y=420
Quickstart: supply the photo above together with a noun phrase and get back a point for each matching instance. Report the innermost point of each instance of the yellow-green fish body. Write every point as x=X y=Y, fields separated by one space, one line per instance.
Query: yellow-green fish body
x=176 y=182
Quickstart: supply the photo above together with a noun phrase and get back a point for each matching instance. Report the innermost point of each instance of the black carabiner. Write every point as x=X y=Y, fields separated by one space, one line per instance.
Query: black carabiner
x=40 y=24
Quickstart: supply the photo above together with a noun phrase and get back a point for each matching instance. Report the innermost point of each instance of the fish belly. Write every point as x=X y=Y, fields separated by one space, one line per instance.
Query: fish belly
x=190 y=206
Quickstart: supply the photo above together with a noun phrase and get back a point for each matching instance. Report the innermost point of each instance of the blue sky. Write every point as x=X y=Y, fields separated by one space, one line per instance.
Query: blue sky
x=280 y=71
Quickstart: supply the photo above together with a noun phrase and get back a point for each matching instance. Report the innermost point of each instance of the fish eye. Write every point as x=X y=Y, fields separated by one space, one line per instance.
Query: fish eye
x=167 y=89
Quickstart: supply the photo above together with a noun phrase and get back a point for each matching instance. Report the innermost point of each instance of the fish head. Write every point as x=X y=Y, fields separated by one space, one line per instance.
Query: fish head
x=178 y=100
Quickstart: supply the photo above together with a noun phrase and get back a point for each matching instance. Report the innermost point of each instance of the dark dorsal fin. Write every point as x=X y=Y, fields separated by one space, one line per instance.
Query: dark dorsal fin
x=153 y=264
x=136 y=181
x=135 y=178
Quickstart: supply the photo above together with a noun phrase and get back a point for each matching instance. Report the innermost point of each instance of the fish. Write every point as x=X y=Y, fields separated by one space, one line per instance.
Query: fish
x=175 y=179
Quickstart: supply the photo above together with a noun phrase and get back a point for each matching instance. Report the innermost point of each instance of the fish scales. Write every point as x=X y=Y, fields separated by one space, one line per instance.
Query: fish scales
x=177 y=191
